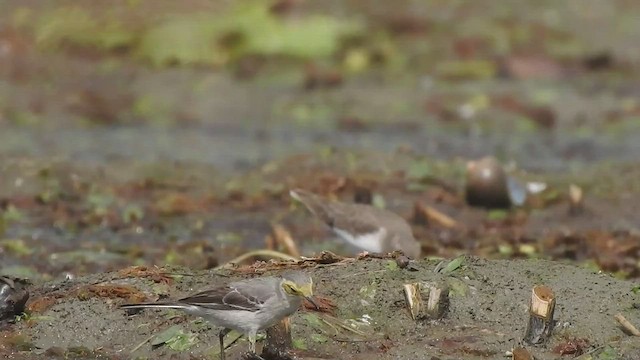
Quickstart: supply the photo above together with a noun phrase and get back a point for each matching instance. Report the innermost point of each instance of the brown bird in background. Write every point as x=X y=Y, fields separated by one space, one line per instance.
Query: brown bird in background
x=365 y=227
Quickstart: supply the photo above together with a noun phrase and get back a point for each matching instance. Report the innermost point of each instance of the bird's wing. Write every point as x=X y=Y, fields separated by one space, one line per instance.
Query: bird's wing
x=345 y=218
x=242 y=295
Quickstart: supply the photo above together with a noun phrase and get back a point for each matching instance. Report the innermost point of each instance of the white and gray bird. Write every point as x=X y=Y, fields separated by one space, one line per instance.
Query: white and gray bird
x=365 y=227
x=246 y=306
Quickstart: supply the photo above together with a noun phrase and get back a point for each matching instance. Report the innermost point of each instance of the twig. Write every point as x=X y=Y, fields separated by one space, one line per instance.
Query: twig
x=424 y=214
x=362 y=273
x=250 y=254
x=586 y=355
x=235 y=340
x=627 y=325
x=142 y=343
x=352 y=340
x=340 y=324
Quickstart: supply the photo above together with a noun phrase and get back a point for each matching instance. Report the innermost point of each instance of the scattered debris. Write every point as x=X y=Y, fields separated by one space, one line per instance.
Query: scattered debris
x=112 y=291
x=41 y=304
x=450 y=267
x=575 y=347
x=626 y=325
x=155 y=273
x=541 y=311
x=260 y=253
x=175 y=338
x=105 y=290
x=325 y=305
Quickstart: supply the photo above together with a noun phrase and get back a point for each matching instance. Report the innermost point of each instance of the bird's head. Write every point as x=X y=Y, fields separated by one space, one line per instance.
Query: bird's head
x=297 y=283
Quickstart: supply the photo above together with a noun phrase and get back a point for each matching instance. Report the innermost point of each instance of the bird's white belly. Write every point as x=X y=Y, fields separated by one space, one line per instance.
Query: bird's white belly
x=238 y=320
x=371 y=242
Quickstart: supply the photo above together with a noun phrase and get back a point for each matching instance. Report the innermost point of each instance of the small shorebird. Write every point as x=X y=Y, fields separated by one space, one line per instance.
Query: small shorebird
x=365 y=227
x=246 y=306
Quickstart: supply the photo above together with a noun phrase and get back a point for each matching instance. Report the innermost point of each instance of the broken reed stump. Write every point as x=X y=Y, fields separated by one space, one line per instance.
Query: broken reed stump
x=541 y=308
x=279 y=341
x=427 y=300
x=576 y=200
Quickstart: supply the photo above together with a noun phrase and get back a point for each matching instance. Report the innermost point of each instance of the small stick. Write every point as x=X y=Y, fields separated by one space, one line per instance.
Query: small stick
x=142 y=343
x=424 y=214
x=627 y=325
x=541 y=310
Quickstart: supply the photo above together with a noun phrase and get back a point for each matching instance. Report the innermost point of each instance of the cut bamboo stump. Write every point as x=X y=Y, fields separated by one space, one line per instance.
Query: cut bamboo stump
x=541 y=308
x=279 y=341
x=427 y=300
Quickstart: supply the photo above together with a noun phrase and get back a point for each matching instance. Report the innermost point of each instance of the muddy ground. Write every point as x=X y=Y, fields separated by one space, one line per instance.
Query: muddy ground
x=487 y=316
x=168 y=134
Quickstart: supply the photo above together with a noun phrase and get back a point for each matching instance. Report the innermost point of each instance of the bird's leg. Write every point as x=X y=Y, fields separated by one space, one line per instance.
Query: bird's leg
x=252 y=346
x=222 y=334
x=252 y=342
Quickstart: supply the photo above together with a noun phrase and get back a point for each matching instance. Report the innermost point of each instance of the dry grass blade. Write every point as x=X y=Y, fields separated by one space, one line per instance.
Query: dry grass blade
x=256 y=253
x=284 y=239
x=337 y=322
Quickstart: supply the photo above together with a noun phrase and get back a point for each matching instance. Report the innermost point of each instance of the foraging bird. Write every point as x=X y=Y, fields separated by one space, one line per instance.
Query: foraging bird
x=246 y=306
x=365 y=227
x=13 y=297
x=488 y=185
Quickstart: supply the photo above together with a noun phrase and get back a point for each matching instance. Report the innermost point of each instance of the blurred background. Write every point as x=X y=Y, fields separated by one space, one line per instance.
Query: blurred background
x=163 y=132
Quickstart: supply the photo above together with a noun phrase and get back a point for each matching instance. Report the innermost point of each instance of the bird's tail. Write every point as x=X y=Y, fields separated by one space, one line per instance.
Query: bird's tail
x=314 y=203
x=167 y=305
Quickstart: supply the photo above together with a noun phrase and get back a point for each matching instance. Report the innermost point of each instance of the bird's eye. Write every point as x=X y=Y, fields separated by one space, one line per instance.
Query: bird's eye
x=290 y=289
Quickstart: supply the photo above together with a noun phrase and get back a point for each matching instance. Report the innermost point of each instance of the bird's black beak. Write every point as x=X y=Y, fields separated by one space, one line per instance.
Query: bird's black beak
x=313 y=302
